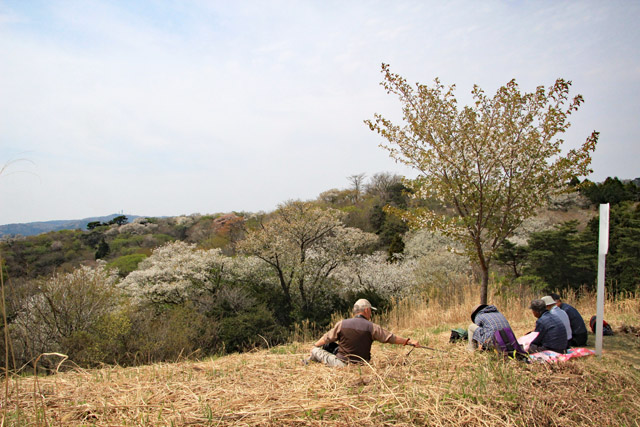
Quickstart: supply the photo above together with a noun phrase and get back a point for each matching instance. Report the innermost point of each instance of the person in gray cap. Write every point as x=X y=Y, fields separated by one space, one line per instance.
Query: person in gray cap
x=551 y=332
x=354 y=337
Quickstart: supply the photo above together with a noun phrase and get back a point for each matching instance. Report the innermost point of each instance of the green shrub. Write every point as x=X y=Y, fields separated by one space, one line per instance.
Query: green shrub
x=63 y=313
x=169 y=333
x=126 y=263
x=105 y=343
x=249 y=330
x=161 y=239
x=535 y=283
x=122 y=241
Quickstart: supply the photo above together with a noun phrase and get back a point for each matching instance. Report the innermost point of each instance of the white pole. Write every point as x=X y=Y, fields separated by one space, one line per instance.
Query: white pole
x=603 y=248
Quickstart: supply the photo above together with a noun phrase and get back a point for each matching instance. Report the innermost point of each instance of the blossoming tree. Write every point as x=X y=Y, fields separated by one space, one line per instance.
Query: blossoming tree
x=492 y=163
x=303 y=245
x=375 y=273
x=177 y=272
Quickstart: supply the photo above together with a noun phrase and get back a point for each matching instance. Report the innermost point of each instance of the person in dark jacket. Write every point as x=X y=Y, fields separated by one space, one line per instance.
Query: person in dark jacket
x=486 y=321
x=578 y=327
x=354 y=337
x=552 y=334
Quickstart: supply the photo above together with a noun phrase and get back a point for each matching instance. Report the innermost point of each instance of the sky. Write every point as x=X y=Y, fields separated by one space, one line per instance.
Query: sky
x=166 y=108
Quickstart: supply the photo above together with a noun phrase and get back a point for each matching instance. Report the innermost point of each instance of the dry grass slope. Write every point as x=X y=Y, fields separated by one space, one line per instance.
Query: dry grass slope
x=423 y=387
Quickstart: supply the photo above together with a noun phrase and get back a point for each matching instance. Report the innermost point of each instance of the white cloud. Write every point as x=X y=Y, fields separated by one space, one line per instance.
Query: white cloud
x=160 y=108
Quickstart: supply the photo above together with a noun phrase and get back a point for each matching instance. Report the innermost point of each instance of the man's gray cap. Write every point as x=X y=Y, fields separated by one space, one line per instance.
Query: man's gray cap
x=361 y=305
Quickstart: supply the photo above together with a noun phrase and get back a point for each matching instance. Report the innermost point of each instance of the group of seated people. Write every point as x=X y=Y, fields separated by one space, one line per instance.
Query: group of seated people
x=559 y=325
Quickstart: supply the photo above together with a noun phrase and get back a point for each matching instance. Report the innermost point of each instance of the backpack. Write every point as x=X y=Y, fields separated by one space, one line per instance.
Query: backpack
x=506 y=343
x=606 y=328
x=458 y=334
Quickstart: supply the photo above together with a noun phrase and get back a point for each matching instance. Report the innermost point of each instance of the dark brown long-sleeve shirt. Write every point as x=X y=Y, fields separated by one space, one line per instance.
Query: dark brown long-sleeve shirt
x=355 y=336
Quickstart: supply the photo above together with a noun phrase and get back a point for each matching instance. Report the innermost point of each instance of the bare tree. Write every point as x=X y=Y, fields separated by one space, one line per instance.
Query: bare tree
x=356 y=182
x=381 y=184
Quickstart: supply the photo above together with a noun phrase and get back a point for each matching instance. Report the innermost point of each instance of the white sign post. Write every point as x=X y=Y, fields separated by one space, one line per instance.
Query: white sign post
x=603 y=248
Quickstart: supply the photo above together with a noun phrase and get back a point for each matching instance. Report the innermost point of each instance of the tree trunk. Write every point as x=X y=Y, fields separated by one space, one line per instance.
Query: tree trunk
x=484 y=269
x=287 y=308
x=485 y=284
x=303 y=296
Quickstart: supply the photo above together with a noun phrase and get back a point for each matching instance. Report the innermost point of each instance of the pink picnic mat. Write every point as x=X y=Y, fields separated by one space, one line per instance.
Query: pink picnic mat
x=552 y=356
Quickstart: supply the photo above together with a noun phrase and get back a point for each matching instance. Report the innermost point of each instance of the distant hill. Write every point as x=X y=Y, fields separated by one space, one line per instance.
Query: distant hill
x=34 y=228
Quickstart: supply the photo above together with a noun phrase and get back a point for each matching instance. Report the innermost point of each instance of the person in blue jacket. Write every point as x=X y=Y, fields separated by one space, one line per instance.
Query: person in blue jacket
x=552 y=334
x=578 y=327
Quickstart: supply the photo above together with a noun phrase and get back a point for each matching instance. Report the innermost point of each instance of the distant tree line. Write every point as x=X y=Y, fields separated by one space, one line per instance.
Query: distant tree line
x=119 y=220
x=611 y=190
x=566 y=257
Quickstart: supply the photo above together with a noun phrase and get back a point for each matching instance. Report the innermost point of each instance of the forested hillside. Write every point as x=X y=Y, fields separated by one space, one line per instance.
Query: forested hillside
x=156 y=288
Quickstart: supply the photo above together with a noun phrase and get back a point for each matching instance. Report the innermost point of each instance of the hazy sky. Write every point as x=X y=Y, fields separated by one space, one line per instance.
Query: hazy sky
x=177 y=107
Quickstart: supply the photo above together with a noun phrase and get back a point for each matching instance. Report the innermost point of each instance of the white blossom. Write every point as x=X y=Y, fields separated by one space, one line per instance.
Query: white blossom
x=176 y=272
x=375 y=273
x=438 y=260
x=138 y=228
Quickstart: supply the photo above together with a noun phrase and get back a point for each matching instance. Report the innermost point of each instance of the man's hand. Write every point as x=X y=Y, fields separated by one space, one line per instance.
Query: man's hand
x=406 y=341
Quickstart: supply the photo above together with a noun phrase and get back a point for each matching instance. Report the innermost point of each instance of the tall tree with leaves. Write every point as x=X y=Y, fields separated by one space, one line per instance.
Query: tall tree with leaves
x=562 y=257
x=492 y=163
x=623 y=269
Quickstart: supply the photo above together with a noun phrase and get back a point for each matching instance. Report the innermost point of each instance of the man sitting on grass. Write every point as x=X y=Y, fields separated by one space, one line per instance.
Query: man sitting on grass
x=578 y=328
x=354 y=337
x=551 y=332
x=560 y=314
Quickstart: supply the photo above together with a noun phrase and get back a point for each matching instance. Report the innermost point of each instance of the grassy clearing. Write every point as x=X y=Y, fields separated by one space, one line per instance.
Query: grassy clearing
x=272 y=387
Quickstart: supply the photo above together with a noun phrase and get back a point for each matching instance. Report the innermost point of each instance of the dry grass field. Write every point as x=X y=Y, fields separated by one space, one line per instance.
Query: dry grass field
x=443 y=386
